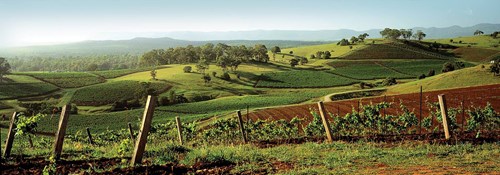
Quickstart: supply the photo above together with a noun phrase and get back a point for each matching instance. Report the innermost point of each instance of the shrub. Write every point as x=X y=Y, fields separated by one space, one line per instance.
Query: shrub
x=187 y=69
x=448 y=67
x=214 y=74
x=431 y=73
x=421 y=76
x=226 y=76
x=389 y=81
x=485 y=118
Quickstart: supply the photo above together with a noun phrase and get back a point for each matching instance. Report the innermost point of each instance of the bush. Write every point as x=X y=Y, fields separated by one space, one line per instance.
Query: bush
x=448 y=67
x=214 y=74
x=226 y=76
x=495 y=67
x=187 y=69
x=389 y=81
x=431 y=73
x=421 y=76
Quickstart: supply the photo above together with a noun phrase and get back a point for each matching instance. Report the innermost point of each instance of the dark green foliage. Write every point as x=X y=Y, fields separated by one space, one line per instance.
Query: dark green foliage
x=206 y=78
x=108 y=74
x=4 y=68
x=483 y=119
x=67 y=79
x=421 y=76
x=431 y=73
x=302 y=78
x=294 y=62
x=226 y=76
x=343 y=42
x=495 y=67
x=108 y=93
x=187 y=69
x=389 y=81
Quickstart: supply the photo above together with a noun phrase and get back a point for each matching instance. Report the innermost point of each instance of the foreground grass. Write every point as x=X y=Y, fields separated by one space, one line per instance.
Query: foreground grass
x=307 y=158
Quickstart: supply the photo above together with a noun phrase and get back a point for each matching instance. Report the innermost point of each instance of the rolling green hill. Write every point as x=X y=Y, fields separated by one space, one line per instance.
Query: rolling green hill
x=473 y=76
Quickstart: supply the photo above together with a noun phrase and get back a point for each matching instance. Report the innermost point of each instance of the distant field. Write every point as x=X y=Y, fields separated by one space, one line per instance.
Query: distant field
x=476 y=54
x=302 y=79
x=107 y=93
x=23 y=86
x=364 y=70
x=66 y=79
x=387 y=51
x=484 y=41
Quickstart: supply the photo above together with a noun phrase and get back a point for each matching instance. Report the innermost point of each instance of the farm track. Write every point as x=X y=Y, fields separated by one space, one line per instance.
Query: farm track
x=470 y=96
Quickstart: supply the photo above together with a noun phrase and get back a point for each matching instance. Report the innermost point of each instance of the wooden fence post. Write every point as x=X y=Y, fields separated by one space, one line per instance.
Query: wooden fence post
x=420 y=115
x=10 y=135
x=131 y=131
x=179 y=129
x=90 y=136
x=444 y=115
x=61 y=131
x=242 y=129
x=326 y=124
x=142 y=139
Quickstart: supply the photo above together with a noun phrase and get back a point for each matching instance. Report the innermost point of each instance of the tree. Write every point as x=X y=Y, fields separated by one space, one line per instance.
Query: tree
x=303 y=60
x=389 y=81
x=187 y=69
x=294 y=62
x=494 y=35
x=389 y=33
x=451 y=40
x=153 y=74
x=478 y=32
x=4 y=68
x=275 y=50
x=343 y=42
x=354 y=39
x=92 y=67
x=448 y=67
x=363 y=36
x=419 y=35
x=260 y=53
x=202 y=66
x=327 y=55
x=495 y=67
x=206 y=78
x=406 y=33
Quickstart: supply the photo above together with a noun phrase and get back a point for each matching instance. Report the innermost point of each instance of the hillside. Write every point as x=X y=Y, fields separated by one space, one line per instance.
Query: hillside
x=391 y=51
x=473 y=76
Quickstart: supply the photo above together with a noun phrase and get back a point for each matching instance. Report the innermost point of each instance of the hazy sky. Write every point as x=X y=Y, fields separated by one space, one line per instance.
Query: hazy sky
x=27 y=22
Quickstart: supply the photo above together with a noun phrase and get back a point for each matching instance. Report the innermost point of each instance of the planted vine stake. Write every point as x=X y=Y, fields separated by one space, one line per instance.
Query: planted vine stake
x=61 y=131
x=142 y=139
x=444 y=115
x=90 y=136
x=10 y=135
x=326 y=124
x=240 y=122
x=131 y=131
x=179 y=129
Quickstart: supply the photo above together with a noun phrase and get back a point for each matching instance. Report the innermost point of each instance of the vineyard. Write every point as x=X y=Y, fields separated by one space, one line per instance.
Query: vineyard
x=387 y=51
x=67 y=79
x=365 y=70
x=461 y=100
x=24 y=86
x=302 y=79
x=107 y=93
x=108 y=74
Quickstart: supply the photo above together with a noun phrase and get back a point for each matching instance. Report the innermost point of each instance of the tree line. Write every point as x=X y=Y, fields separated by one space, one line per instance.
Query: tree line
x=223 y=55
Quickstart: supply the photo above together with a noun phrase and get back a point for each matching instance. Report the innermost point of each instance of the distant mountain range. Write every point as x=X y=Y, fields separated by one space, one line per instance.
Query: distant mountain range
x=282 y=38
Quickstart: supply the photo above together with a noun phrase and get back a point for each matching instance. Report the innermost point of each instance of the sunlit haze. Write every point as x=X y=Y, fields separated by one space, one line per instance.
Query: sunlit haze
x=31 y=22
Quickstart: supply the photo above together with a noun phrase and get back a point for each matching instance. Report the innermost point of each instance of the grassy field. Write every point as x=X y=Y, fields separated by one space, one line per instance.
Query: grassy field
x=483 y=41
x=472 y=76
x=107 y=93
x=192 y=84
x=108 y=74
x=23 y=86
x=303 y=79
x=66 y=79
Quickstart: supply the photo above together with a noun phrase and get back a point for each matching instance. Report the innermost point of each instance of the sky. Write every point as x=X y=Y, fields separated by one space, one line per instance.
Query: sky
x=33 y=22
